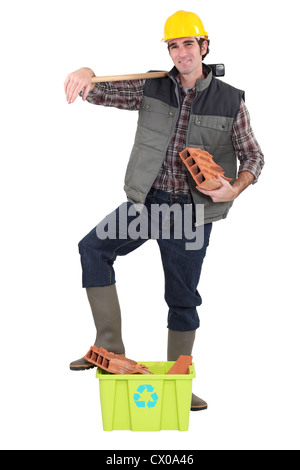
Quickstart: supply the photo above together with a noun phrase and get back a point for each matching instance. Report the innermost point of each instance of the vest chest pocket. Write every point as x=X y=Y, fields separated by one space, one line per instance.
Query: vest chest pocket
x=211 y=131
x=157 y=116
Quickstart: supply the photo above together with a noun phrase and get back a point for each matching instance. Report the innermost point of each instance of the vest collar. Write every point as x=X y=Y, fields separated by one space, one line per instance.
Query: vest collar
x=203 y=83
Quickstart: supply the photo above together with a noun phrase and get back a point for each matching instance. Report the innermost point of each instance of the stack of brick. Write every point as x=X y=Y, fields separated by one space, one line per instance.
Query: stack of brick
x=114 y=363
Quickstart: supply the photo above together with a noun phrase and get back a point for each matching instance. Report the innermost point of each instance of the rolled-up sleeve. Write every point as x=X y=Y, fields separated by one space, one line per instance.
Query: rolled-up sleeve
x=245 y=145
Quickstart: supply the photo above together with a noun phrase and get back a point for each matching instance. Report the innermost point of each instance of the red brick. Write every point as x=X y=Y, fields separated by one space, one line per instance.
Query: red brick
x=203 y=169
x=182 y=365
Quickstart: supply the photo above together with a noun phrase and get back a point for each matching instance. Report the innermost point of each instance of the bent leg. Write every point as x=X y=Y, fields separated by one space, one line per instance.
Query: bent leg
x=98 y=251
x=98 y=254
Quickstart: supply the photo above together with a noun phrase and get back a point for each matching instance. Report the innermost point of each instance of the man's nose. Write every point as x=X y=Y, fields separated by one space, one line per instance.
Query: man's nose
x=182 y=51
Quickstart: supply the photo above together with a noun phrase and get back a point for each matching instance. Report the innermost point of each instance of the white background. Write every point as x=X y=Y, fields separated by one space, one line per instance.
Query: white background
x=62 y=170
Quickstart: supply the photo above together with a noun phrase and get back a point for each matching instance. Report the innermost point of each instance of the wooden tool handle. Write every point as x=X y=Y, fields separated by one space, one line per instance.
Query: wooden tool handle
x=134 y=76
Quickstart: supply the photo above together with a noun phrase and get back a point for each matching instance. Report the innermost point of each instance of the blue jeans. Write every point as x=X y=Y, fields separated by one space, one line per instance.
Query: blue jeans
x=182 y=267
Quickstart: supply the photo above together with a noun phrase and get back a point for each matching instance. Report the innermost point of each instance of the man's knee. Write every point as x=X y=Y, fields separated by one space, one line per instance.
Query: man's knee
x=88 y=241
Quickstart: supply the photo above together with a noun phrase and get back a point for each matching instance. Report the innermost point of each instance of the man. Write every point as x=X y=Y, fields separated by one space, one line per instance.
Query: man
x=188 y=108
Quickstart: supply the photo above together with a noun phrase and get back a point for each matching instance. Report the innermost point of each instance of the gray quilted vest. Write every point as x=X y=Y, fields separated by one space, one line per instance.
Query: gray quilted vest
x=213 y=112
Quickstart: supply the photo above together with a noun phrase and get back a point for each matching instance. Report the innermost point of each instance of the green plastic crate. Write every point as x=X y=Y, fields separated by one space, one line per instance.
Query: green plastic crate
x=140 y=402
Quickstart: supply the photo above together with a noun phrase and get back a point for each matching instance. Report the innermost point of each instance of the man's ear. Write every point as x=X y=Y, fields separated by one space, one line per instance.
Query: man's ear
x=204 y=47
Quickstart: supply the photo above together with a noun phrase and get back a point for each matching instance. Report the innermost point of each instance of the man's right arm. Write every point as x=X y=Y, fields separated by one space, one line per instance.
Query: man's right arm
x=78 y=81
x=126 y=94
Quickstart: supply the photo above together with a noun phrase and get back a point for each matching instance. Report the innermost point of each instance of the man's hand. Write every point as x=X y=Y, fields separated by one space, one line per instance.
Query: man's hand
x=77 y=81
x=227 y=192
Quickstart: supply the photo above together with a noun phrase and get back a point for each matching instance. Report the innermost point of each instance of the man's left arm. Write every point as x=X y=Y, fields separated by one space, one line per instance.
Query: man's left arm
x=249 y=155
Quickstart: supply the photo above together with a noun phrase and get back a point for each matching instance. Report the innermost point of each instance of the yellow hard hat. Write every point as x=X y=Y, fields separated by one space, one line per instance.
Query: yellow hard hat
x=184 y=24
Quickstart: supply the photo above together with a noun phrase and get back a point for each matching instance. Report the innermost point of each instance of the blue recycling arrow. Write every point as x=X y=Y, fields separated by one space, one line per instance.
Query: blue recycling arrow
x=141 y=403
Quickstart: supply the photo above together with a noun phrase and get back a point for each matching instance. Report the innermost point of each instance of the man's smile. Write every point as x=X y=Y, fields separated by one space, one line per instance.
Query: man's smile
x=185 y=61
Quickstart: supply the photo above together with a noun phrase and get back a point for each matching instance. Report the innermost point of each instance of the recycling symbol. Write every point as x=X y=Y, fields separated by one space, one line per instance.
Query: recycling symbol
x=141 y=396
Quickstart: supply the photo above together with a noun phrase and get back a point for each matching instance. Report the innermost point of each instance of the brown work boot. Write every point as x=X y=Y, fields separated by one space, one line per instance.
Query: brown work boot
x=81 y=364
x=198 y=404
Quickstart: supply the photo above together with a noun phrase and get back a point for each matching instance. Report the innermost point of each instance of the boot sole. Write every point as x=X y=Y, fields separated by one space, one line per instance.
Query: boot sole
x=78 y=368
x=198 y=408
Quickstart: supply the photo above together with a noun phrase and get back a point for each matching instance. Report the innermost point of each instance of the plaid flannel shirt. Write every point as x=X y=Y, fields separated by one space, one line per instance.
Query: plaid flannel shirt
x=172 y=176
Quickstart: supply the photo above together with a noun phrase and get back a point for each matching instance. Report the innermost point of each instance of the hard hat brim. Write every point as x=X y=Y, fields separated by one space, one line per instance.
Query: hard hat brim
x=180 y=37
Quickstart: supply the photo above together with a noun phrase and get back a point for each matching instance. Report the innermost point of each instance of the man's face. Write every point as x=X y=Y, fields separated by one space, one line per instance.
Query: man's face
x=185 y=53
